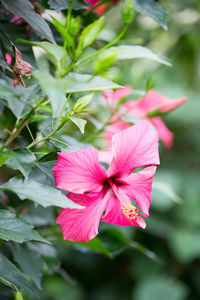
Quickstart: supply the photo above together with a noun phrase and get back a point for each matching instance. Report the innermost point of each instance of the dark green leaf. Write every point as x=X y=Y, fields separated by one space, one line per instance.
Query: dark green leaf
x=30 y=262
x=21 y=160
x=42 y=194
x=55 y=52
x=152 y=9
x=157 y=288
x=64 y=4
x=4 y=156
x=19 y=100
x=95 y=245
x=14 y=228
x=13 y=277
x=25 y=10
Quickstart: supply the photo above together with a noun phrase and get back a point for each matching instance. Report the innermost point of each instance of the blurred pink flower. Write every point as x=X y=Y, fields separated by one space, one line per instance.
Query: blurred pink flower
x=146 y=108
x=103 y=7
x=8 y=58
x=107 y=194
x=15 y=19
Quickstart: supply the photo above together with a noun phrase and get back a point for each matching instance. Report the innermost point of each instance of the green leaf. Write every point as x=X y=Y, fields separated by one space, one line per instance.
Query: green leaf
x=21 y=160
x=135 y=51
x=40 y=193
x=163 y=195
x=157 y=288
x=64 y=4
x=20 y=99
x=86 y=82
x=8 y=90
x=95 y=245
x=153 y=10
x=105 y=60
x=55 y=52
x=80 y=123
x=13 y=277
x=89 y=34
x=82 y=103
x=185 y=243
x=4 y=156
x=14 y=228
x=30 y=262
x=25 y=10
x=119 y=238
x=55 y=89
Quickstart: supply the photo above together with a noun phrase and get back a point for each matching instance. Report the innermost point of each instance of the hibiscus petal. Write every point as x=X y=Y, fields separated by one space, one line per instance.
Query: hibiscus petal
x=132 y=148
x=79 y=171
x=114 y=211
x=163 y=132
x=81 y=225
x=105 y=156
x=139 y=186
x=162 y=103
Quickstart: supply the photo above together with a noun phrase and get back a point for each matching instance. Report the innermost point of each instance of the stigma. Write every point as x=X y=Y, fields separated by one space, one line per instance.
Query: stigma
x=130 y=211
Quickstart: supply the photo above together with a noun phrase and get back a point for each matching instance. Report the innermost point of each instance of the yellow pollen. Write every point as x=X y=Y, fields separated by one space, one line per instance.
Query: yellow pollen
x=130 y=211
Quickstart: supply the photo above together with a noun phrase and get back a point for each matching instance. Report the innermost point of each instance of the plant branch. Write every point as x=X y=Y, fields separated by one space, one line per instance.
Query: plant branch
x=87 y=59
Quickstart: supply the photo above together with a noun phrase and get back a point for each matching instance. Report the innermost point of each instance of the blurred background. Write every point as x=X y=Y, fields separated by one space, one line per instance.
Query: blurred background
x=162 y=261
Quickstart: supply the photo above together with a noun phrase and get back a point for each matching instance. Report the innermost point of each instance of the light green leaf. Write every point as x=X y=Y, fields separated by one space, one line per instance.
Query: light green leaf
x=95 y=245
x=14 y=228
x=55 y=89
x=89 y=34
x=135 y=51
x=21 y=160
x=25 y=10
x=82 y=103
x=40 y=193
x=11 y=276
x=86 y=82
x=152 y=9
x=30 y=262
x=80 y=123
x=163 y=195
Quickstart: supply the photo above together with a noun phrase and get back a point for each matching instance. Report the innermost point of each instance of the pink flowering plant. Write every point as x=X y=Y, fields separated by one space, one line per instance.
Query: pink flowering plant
x=110 y=192
x=77 y=147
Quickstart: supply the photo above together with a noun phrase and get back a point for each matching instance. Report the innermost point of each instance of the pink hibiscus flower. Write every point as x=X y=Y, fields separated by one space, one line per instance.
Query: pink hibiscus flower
x=146 y=108
x=107 y=194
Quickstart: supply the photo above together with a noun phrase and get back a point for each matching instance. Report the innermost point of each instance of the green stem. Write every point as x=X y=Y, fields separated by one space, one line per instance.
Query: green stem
x=45 y=138
x=19 y=126
x=96 y=133
x=87 y=59
x=58 y=141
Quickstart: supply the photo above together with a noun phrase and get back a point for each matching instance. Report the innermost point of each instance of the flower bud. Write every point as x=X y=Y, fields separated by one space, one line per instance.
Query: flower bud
x=75 y=25
x=82 y=103
x=127 y=11
x=105 y=60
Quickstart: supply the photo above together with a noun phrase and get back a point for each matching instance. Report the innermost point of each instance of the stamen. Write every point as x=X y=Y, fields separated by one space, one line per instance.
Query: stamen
x=130 y=211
